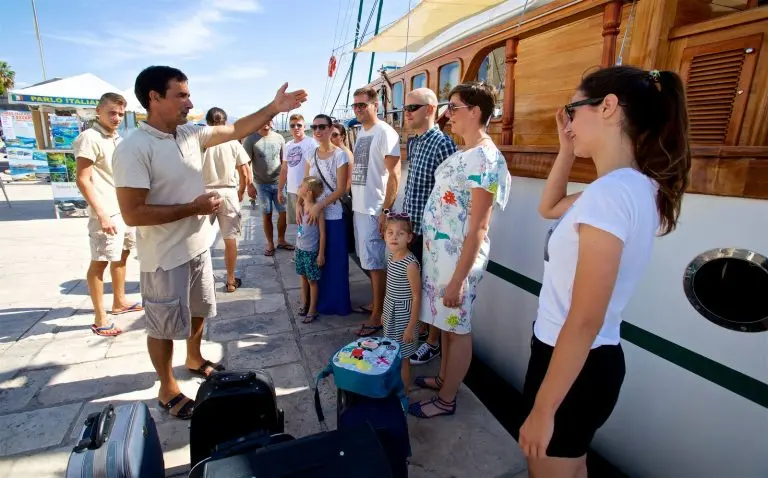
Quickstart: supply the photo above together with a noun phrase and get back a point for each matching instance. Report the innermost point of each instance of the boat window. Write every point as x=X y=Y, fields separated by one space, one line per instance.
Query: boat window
x=726 y=285
x=397 y=96
x=492 y=71
x=448 y=77
x=419 y=81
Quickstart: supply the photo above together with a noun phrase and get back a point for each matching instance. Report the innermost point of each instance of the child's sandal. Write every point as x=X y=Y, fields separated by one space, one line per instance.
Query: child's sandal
x=303 y=311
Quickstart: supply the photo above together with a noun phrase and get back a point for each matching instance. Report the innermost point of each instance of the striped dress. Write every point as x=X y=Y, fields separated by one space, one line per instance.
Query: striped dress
x=397 y=303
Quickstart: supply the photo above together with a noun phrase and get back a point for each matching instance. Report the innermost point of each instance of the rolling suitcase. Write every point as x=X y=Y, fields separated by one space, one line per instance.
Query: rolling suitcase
x=345 y=453
x=119 y=442
x=231 y=405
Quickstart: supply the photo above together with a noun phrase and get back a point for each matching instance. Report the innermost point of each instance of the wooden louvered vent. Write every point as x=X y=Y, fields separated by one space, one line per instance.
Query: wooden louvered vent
x=718 y=77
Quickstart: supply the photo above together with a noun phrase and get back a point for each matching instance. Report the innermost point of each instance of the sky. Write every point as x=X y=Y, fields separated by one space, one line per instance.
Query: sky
x=236 y=53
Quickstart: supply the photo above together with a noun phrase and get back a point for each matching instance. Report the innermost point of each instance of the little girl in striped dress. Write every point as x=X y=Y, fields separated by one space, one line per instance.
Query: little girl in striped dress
x=402 y=301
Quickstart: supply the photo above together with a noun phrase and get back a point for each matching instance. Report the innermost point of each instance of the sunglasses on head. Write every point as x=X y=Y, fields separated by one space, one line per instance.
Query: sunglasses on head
x=570 y=108
x=395 y=215
x=321 y=127
x=296 y=125
x=412 y=108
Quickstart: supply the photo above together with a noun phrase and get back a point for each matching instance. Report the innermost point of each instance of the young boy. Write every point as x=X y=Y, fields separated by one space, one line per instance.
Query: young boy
x=310 y=248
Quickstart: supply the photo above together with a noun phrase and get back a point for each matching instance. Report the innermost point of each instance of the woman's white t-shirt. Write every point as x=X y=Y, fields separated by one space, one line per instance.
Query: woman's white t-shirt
x=622 y=203
x=329 y=168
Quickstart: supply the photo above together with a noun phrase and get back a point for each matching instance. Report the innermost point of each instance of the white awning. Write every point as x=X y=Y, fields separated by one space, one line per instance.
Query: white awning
x=424 y=22
x=81 y=91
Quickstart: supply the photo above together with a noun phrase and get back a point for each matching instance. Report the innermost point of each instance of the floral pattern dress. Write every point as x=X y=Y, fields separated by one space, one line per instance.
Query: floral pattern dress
x=446 y=225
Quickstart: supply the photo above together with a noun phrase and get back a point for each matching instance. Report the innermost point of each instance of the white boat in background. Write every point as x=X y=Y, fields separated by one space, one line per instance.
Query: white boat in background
x=695 y=397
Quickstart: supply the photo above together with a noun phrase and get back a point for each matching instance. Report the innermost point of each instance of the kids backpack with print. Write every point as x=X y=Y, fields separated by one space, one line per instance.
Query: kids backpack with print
x=368 y=366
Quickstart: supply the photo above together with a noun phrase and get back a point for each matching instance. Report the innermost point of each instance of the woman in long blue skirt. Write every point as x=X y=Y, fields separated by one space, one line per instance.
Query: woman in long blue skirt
x=333 y=296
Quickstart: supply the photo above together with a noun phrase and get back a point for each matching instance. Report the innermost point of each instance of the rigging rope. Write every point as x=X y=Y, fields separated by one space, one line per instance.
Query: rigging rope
x=620 y=58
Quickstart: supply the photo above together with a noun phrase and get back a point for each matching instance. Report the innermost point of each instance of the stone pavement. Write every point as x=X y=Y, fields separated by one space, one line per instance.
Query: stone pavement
x=54 y=371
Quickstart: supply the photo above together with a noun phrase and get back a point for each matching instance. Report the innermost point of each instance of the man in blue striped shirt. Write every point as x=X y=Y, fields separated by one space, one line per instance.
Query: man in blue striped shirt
x=426 y=151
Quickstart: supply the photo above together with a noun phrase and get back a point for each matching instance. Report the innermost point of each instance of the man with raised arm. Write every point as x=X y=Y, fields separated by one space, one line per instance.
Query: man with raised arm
x=158 y=175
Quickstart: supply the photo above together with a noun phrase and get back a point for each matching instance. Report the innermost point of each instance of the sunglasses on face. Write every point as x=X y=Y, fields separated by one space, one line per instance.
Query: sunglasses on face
x=321 y=127
x=335 y=134
x=452 y=107
x=296 y=125
x=413 y=108
x=360 y=106
x=570 y=108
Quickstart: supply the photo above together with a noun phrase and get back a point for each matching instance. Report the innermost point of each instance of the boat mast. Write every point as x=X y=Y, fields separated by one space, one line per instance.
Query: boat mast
x=376 y=32
x=39 y=42
x=354 y=53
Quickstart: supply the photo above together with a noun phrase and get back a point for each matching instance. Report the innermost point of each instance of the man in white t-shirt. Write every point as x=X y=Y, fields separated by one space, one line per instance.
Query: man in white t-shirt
x=111 y=240
x=159 y=180
x=295 y=154
x=375 y=179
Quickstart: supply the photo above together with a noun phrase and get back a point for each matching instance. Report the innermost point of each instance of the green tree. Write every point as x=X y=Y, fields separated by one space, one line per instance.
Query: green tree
x=7 y=77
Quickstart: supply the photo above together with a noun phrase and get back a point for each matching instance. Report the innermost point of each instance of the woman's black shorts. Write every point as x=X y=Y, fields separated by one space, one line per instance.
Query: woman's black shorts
x=588 y=403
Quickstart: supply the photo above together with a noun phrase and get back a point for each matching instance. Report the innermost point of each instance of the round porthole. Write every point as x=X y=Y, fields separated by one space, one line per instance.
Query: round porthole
x=726 y=286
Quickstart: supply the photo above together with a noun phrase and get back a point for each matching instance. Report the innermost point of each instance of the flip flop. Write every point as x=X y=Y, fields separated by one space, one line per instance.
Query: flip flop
x=310 y=318
x=134 y=308
x=287 y=247
x=372 y=329
x=183 y=413
x=269 y=252
x=217 y=367
x=110 y=331
x=362 y=310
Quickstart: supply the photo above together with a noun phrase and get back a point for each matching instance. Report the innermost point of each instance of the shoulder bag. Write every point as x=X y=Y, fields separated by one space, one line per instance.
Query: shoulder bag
x=346 y=206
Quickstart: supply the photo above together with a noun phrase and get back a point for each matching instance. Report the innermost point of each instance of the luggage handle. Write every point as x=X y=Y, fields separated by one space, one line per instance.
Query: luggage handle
x=98 y=426
x=228 y=381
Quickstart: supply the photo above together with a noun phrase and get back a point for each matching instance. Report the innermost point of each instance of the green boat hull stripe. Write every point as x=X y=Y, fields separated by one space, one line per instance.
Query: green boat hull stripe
x=706 y=368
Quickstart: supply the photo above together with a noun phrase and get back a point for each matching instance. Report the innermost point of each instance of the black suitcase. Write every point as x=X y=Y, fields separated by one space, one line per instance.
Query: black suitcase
x=231 y=405
x=388 y=420
x=351 y=452
x=119 y=442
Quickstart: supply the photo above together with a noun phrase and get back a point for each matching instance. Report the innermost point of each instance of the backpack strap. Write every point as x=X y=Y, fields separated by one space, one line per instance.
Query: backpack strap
x=328 y=370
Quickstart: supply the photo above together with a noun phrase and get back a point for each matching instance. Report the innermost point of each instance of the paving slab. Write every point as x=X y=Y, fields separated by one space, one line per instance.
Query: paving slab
x=22 y=432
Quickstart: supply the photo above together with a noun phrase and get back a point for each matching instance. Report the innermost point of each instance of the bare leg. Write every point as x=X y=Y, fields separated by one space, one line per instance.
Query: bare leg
x=230 y=259
x=194 y=357
x=95 y=280
x=313 y=291
x=378 y=284
x=430 y=381
x=305 y=293
x=551 y=467
x=405 y=373
x=161 y=354
x=282 y=224
x=117 y=271
x=434 y=336
x=457 y=364
x=266 y=220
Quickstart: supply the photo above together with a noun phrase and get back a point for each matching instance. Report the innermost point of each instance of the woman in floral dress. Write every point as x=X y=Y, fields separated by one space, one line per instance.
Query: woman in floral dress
x=456 y=221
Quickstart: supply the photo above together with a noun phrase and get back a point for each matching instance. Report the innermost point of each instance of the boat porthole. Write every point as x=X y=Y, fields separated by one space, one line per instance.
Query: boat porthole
x=726 y=286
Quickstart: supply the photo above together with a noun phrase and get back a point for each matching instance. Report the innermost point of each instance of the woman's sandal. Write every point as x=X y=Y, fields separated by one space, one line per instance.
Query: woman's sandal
x=183 y=413
x=109 y=331
x=310 y=318
x=368 y=330
x=446 y=408
x=422 y=382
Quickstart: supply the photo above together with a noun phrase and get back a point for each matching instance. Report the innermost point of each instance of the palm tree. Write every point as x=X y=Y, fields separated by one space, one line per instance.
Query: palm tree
x=7 y=77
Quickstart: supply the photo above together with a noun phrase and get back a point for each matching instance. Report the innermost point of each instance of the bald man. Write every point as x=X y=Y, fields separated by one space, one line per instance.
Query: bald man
x=426 y=151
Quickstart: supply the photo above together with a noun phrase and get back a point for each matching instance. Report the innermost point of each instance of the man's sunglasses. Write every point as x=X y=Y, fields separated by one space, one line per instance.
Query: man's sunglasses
x=321 y=127
x=413 y=108
x=570 y=108
x=296 y=125
x=360 y=106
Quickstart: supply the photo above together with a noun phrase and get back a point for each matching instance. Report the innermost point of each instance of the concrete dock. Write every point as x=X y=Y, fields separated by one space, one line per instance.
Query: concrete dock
x=54 y=371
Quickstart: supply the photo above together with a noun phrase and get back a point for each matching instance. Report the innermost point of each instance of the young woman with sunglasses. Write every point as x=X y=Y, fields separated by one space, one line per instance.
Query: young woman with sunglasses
x=329 y=163
x=634 y=126
x=469 y=184
x=339 y=139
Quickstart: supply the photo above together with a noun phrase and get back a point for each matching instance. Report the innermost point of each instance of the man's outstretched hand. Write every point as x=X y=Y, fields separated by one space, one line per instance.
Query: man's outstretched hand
x=287 y=101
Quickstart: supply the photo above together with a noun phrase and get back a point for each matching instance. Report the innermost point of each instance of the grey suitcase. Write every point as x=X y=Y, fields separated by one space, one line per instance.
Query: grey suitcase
x=119 y=442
